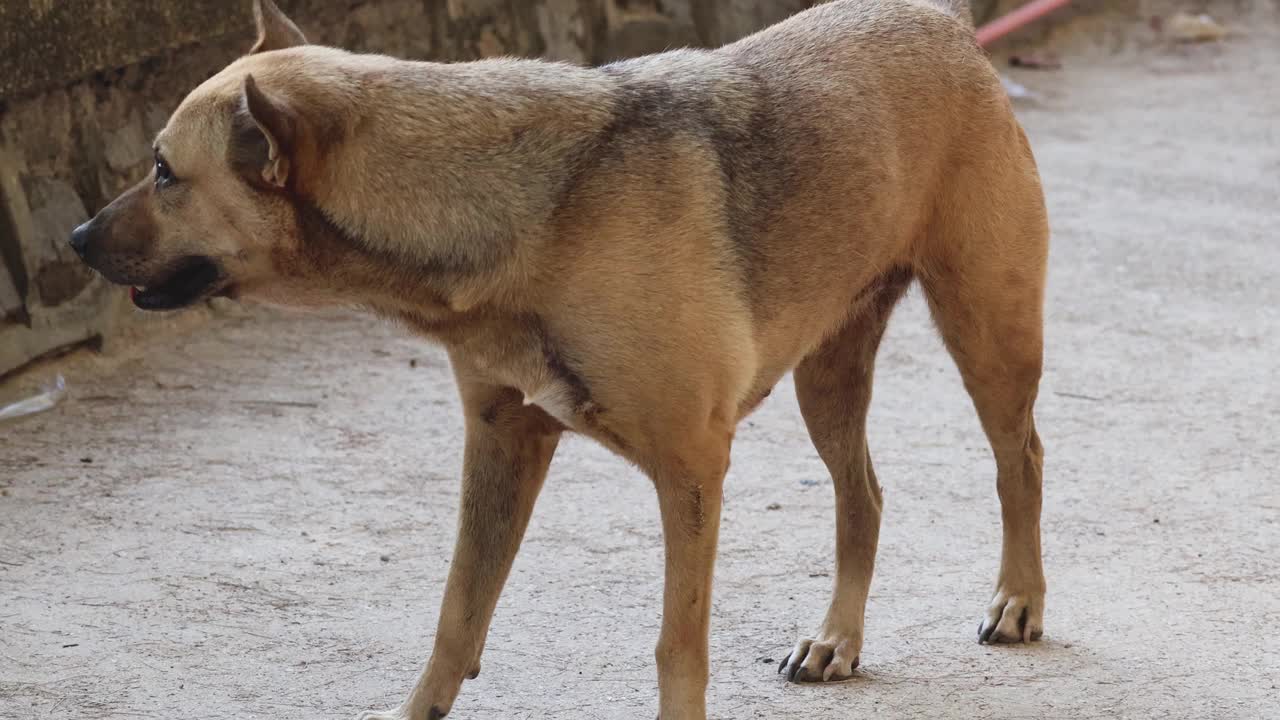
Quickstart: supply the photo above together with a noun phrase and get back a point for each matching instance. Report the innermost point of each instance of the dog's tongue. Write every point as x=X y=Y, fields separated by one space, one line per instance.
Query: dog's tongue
x=133 y=293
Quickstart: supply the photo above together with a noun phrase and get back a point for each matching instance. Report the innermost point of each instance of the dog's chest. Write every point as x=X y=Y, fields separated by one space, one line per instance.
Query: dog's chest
x=530 y=361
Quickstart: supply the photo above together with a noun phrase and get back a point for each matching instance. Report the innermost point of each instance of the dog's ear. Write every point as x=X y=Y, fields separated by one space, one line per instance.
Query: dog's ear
x=264 y=137
x=275 y=30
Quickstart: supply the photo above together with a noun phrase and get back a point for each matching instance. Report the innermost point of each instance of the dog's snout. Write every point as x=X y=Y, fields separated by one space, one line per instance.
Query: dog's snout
x=80 y=238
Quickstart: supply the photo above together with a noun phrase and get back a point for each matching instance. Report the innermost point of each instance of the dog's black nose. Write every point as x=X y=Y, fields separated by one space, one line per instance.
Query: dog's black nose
x=80 y=238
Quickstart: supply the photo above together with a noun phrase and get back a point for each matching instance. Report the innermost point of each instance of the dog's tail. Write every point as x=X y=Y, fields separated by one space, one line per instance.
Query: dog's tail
x=957 y=8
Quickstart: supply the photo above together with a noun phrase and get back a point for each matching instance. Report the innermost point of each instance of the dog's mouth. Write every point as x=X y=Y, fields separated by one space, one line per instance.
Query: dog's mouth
x=192 y=280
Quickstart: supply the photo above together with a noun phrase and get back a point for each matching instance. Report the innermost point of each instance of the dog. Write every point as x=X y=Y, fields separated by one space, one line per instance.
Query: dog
x=637 y=253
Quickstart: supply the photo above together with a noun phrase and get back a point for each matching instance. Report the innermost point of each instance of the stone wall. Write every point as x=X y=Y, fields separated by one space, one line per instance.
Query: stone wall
x=85 y=84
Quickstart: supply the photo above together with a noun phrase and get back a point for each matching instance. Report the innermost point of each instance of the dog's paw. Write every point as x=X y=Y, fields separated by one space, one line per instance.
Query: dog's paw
x=827 y=659
x=1013 y=617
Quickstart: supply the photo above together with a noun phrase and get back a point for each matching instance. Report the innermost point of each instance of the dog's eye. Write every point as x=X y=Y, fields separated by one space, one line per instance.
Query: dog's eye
x=164 y=174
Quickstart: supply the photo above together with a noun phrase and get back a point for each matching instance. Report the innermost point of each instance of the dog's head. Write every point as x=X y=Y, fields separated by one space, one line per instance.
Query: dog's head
x=216 y=215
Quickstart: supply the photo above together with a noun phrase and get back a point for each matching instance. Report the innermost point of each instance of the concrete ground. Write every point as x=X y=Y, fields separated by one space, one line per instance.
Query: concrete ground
x=253 y=518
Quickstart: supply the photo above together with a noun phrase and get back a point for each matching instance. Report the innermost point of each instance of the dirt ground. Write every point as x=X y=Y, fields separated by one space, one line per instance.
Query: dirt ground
x=253 y=519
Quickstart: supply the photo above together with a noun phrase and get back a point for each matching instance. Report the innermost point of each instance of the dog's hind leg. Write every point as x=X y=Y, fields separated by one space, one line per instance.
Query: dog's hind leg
x=509 y=446
x=833 y=385
x=984 y=276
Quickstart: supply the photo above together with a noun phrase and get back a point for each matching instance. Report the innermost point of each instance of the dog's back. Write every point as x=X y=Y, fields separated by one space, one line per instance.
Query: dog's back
x=832 y=134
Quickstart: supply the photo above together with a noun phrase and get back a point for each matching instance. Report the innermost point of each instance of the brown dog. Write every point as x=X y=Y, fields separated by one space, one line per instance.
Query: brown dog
x=637 y=253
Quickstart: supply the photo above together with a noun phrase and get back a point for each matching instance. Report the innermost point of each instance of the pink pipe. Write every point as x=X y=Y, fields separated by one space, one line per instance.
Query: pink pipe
x=1028 y=13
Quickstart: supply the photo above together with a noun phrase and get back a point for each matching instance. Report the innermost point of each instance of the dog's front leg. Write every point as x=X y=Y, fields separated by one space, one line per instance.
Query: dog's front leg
x=689 y=497
x=509 y=446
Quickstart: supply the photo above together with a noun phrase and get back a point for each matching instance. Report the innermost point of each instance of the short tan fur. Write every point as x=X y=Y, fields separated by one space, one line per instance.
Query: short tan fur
x=636 y=253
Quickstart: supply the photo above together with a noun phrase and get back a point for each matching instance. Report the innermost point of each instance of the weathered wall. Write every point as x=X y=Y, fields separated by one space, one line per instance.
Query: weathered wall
x=85 y=84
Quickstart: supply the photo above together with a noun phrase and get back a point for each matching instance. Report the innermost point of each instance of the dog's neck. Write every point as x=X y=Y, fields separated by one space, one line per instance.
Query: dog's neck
x=448 y=178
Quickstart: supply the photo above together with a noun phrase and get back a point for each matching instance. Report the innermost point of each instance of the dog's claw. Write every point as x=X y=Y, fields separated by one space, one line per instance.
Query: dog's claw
x=984 y=632
x=793 y=670
x=783 y=664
